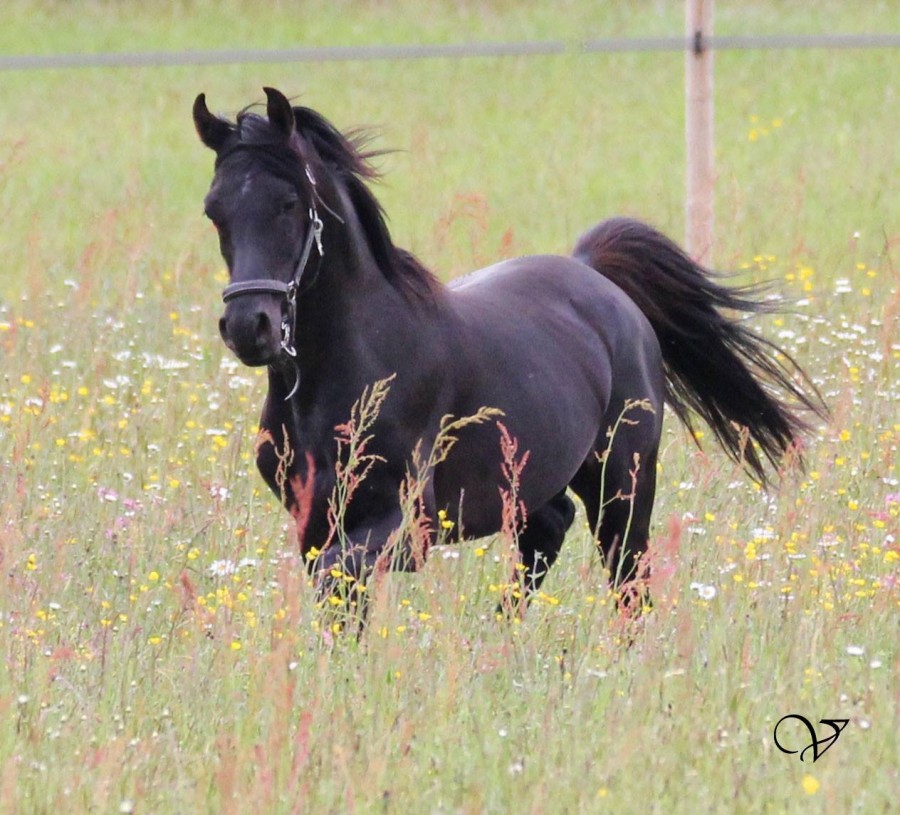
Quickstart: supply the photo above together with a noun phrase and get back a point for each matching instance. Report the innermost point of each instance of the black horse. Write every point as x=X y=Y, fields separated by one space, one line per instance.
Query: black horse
x=578 y=353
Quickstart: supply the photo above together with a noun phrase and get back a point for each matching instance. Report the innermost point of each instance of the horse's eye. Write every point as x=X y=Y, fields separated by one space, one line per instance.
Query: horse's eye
x=289 y=204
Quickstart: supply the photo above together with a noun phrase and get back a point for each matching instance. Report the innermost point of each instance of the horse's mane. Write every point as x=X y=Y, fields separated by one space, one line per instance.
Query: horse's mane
x=348 y=157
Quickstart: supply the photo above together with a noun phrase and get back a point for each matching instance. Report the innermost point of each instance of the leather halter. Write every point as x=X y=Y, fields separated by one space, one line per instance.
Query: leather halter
x=287 y=290
x=267 y=285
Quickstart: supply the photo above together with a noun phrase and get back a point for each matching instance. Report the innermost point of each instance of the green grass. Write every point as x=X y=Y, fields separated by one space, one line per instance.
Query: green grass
x=136 y=670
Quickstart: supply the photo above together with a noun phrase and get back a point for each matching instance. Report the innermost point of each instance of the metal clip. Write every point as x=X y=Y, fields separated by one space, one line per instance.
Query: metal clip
x=317 y=227
x=286 y=345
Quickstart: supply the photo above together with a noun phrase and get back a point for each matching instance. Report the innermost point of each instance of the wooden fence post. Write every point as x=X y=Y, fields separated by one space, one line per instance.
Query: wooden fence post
x=699 y=129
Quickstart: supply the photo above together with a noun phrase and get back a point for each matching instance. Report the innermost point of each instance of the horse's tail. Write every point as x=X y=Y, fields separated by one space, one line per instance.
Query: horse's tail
x=740 y=383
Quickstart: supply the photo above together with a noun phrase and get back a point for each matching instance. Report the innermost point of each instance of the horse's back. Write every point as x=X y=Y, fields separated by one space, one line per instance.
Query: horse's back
x=547 y=302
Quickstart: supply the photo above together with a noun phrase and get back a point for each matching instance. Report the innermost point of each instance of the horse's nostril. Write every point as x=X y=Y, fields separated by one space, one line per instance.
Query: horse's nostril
x=263 y=326
x=223 y=328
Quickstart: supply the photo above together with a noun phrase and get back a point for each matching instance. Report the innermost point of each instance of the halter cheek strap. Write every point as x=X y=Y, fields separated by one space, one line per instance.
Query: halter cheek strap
x=314 y=234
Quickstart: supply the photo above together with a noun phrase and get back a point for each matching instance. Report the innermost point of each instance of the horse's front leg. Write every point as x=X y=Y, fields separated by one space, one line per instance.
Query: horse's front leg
x=372 y=546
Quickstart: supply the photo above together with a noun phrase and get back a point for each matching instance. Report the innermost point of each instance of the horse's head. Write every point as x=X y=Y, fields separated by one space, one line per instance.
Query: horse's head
x=263 y=204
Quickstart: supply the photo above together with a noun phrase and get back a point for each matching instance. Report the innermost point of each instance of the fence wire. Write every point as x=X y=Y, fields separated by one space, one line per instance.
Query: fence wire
x=368 y=53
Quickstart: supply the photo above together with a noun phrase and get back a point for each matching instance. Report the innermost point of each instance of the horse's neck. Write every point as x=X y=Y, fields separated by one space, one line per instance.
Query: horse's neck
x=351 y=303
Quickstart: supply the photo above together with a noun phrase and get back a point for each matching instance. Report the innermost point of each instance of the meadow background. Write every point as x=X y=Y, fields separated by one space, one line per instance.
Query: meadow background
x=159 y=647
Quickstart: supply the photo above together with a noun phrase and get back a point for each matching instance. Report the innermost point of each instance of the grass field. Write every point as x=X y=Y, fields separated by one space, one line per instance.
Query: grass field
x=159 y=647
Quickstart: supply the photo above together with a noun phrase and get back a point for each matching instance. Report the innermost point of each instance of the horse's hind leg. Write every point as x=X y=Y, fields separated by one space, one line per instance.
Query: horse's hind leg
x=618 y=496
x=539 y=544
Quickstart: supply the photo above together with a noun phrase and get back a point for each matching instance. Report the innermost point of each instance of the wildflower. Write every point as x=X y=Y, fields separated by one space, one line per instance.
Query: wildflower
x=444 y=521
x=810 y=784
x=704 y=591
x=222 y=568
x=855 y=650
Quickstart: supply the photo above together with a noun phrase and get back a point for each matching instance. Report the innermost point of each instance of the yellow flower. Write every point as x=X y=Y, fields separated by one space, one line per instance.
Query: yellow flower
x=444 y=521
x=810 y=784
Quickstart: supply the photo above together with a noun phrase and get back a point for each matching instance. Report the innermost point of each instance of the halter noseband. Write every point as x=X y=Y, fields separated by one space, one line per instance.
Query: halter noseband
x=287 y=290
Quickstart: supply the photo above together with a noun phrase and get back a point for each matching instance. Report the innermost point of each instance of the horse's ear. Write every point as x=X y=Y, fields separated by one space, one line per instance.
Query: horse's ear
x=212 y=130
x=279 y=111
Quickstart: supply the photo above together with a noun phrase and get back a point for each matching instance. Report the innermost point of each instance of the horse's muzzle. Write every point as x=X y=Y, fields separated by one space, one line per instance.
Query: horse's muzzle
x=251 y=328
